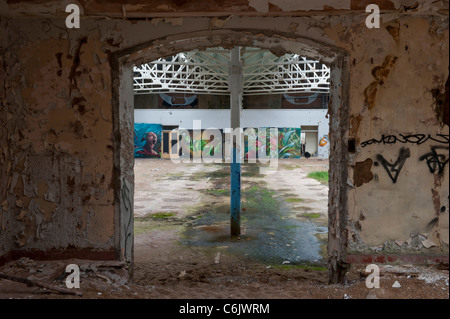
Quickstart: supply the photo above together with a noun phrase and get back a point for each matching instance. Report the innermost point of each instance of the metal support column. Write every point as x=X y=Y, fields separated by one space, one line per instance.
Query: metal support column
x=236 y=88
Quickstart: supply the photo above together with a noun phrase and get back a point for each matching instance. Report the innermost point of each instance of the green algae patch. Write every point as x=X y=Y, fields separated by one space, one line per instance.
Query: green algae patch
x=161 y=215
x=320 y=176
x=218 y=192
x=310 y=215
x=294 y=200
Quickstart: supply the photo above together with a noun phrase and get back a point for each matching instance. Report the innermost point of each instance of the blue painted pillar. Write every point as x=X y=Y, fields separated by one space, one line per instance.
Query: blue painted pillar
x=235 y=210
x=235 y=85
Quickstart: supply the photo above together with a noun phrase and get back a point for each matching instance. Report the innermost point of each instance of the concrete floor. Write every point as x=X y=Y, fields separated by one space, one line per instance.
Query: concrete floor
x=187 y=252
x=283 y=219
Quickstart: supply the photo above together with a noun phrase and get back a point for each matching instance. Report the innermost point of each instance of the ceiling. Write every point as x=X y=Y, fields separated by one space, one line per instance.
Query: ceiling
x=207 y=72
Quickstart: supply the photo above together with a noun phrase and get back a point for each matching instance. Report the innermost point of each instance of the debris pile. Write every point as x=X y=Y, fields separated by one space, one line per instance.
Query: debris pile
x=51 y=277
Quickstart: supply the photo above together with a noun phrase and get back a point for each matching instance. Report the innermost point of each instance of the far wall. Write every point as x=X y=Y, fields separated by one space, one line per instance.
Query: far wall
x=220 y=119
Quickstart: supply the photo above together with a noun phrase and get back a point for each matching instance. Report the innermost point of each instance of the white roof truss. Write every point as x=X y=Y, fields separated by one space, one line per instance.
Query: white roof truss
x=206 y=72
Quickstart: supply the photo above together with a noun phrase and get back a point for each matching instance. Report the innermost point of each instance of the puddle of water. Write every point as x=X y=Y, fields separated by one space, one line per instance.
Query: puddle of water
x=265 y=238
x=268 y=233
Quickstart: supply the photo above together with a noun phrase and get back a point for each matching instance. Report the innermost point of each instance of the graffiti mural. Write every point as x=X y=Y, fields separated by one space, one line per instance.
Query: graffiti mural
x=436 y=161
x=305 y=101
x=287 y=146
x=147 y=140
x=289 y=142
x=394 y=169
x=178 y=100
x=202 y=145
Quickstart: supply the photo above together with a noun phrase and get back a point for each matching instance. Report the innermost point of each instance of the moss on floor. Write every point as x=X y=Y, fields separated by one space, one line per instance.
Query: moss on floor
x=310 y=215
x=321 y=176
x=162 y=215
x=294 y=200
x=219 y=192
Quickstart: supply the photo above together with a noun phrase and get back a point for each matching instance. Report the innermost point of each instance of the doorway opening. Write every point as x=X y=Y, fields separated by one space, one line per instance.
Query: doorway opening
x=125 y=102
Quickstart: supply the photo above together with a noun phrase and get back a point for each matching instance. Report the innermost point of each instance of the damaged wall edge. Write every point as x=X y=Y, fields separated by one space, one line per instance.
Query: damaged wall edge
x=163 y=9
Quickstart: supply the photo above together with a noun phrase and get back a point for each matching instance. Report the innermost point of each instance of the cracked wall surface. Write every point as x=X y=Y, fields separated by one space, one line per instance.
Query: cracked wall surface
x=57 y=137
x=408 y=144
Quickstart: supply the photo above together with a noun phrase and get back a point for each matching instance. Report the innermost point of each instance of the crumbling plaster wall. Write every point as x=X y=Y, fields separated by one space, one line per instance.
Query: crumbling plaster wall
x=57 y=137
x=56 y=191
x=399 y=199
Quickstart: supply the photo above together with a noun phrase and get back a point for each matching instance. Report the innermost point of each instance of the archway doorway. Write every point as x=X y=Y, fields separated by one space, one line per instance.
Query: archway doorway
x=122 y=63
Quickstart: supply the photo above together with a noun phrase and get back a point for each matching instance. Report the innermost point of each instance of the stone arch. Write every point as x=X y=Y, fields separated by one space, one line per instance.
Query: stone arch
x=279 y=44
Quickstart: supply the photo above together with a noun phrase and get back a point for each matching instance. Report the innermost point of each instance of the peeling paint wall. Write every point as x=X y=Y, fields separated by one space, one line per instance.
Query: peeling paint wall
x=59 y=139
x=59 y=189
x=401 y=206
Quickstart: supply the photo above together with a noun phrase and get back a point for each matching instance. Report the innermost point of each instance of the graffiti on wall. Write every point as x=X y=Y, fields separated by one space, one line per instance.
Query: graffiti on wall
x=126 y=207
x=147 y=140
x=410 y=138
x=435 y=160
x=394 y=169
x=323 y=141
